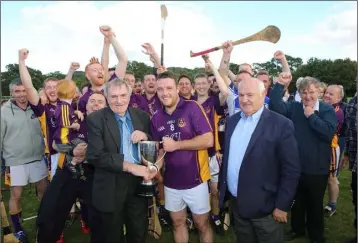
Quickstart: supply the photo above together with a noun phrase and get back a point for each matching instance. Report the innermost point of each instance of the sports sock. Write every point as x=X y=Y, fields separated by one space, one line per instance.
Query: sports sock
x=15 y=219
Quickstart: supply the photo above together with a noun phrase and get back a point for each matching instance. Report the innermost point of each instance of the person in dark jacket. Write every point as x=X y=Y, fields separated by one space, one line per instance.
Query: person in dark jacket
x=315 y=124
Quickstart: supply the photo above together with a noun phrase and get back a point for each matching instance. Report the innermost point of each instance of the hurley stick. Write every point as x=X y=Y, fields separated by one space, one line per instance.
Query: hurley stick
x=270 y=33
x=164 y=15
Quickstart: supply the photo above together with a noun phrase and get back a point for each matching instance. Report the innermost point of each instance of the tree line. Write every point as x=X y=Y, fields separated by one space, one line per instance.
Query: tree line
x=338 y=71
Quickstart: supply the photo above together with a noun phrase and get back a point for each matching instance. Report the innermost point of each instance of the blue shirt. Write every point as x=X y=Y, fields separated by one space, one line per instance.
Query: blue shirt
x=126 y=138
x=239 y=141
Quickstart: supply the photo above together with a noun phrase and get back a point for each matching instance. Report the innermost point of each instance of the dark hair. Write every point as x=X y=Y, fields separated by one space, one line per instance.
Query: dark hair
x=168 y=74
x=130 y=72
x=262 y=72
x=201 y=75
x=97 y=92
x=111 y=69
x=210 y=75
x=50 y=79
x=185 y=76
x=244 y=71
x=88 y=85
x=16 y=81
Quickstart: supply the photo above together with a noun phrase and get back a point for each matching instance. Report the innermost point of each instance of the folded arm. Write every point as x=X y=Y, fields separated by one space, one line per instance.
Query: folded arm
x=325 y=126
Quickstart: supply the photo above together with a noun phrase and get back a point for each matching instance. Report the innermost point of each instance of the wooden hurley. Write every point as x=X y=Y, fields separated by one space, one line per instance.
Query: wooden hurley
x=164 y=15
x=270 y=33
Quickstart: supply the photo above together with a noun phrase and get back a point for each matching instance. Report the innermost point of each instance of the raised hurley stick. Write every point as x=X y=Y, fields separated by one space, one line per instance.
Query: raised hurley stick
x=164 y=15
x=270 y=33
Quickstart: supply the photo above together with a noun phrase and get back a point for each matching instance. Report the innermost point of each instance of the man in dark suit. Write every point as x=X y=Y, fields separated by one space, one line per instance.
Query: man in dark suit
x=260 y=168
x=112 y=137
x=315 y=124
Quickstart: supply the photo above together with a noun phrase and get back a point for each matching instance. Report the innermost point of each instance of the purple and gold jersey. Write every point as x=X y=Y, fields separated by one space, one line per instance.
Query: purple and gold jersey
x=153 y=104
x=340 y=119
x=46 y=113
x=184 y=169
x=82 y=102
x=64 y=117
x=138 y=101
x=213 y=111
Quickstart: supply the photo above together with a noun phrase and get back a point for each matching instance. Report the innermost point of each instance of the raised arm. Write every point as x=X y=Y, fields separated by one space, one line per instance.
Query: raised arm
x=121 y=56
x=225 y=61
x=32 y=94
x=276 y=103
x=74 y=66
x=105 y=57
x=153 y=55
x=224 y=91
x=280 y=56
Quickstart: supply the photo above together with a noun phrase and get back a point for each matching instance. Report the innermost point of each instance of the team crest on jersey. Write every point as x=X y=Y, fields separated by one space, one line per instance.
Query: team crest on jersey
x=181 y=122
x=134 y=105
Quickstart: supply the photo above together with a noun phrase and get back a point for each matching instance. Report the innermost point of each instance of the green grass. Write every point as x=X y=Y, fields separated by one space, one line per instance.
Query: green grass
x=338 y=228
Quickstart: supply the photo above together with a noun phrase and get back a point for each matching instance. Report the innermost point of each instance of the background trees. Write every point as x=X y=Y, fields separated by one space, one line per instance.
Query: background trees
x=337 y=71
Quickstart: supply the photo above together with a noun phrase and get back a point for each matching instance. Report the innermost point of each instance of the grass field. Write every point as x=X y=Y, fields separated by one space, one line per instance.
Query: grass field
x=338 y=228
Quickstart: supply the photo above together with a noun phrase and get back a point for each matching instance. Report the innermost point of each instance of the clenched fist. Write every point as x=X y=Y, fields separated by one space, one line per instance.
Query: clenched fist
x=74 y=66
x=227 y=47
x=285 y=78
x=279 y=55
x=23 y=54
x=106 y=31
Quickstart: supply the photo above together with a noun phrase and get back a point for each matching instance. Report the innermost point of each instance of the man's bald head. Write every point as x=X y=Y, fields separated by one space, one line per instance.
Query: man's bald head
x=252 y=95
x=334 y=94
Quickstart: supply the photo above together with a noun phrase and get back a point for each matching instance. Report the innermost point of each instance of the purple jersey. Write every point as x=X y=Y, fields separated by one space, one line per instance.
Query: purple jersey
x=84 y=100
x=153 y=104
x=340 y=117
x=48 y=111
x=83 y=132
x=138 y=101
x=213 y=111
x=184 y=169
x=64 y=117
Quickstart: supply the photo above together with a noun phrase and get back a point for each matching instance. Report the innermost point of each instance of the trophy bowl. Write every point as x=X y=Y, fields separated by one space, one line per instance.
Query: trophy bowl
x=148 y=155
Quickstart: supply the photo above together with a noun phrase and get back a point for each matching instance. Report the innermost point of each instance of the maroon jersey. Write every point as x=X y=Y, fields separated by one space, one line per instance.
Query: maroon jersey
x=48 y=111
x=64 y=117
x=213 y=111
x=184 y=169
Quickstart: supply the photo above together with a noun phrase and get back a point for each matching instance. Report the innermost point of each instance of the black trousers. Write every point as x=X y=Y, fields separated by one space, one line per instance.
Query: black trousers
x=354 y=196
x=131 y=210
x=57 y=203
x=307 y=211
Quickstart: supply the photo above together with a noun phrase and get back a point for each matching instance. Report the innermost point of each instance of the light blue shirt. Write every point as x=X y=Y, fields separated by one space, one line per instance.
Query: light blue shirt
x=126 y=129
x=239 y=141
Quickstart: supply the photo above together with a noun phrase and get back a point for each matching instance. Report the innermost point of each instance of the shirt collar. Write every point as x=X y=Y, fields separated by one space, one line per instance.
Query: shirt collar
x=315 y=107
x=122 y=118
x=254 y=116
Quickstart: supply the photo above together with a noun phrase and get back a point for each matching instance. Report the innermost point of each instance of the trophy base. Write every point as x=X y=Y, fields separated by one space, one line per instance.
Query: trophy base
x=146 y=189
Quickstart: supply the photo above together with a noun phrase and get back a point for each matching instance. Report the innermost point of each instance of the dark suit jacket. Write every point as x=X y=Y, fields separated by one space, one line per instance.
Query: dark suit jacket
x=270 y=169
x=103 y=153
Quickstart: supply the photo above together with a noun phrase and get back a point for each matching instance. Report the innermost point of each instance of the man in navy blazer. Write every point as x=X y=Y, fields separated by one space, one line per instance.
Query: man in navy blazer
x=260 y=169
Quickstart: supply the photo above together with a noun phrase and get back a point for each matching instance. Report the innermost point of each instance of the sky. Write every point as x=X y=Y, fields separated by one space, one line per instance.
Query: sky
x=58 y=33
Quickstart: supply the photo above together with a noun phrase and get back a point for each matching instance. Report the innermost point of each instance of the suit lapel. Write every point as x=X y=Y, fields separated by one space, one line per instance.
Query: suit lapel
x=137 y=125
x=257 y=132
x=112 y=126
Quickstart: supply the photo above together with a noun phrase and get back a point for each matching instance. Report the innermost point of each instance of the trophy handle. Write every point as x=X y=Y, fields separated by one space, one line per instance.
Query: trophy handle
x=151 y=163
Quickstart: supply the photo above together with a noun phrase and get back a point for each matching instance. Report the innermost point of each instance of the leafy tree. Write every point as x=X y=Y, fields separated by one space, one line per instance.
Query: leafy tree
x=13 y=72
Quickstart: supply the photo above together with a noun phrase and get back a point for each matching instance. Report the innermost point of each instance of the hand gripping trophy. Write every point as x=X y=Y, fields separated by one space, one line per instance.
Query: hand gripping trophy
x=148 y=152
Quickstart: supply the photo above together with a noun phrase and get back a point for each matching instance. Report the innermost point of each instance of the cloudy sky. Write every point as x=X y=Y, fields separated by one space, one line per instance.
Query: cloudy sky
x=57 y=33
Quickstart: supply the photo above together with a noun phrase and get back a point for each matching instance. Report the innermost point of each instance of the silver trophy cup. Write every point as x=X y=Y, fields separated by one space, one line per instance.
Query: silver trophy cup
x=148 y=155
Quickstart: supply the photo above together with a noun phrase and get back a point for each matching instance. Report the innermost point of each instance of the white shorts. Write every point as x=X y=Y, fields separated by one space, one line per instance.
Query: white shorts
x=197 y=199
x=54 y=164
x=214 y=166
x=21 y=175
